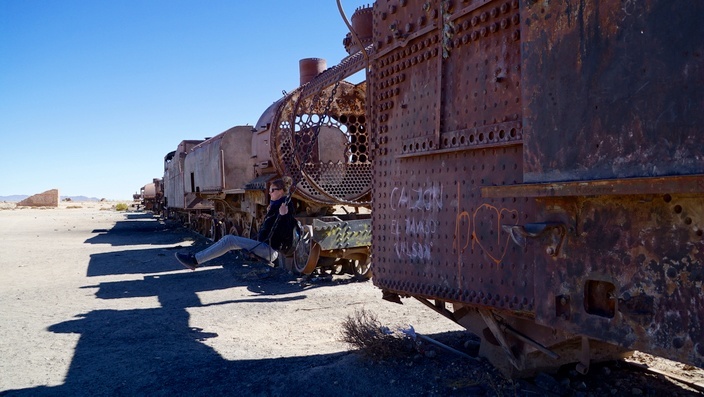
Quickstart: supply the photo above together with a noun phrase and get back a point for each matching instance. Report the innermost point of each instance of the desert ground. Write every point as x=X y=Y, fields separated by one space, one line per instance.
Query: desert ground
x=93 y=303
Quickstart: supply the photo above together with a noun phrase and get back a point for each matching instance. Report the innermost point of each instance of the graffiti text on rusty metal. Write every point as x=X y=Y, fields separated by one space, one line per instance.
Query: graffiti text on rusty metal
x=414 y=233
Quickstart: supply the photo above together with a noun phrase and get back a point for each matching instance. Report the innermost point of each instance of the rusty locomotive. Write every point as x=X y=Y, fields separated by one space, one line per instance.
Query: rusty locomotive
x=317 y=135
x=538 y=171
x=151 y=196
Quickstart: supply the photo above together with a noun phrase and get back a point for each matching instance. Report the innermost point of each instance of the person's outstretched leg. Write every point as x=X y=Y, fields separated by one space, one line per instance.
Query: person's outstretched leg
x=231 y=242
x=220 y=247
x=224 y=245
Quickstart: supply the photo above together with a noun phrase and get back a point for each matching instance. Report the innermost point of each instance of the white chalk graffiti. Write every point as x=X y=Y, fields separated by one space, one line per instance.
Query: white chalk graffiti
x=423 y=199
x=414 y=234
x=413 y=250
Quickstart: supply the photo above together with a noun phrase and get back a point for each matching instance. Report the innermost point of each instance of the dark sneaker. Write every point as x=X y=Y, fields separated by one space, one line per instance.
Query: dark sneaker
x=187 y=260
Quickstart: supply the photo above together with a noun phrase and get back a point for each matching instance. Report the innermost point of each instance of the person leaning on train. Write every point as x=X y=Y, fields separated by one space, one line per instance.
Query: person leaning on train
x=275 y=234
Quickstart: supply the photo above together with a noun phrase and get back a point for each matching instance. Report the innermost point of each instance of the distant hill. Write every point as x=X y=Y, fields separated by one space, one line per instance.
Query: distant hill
x=79 y=198
x=19 y=197
x=14 y=198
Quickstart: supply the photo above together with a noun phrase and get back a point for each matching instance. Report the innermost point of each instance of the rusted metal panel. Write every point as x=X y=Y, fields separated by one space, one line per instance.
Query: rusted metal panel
x=435 y=236
x=626 y=186
x=630 y=272
x=174 y=184
x=221 y=163
x=445 y=100
x=612 y=89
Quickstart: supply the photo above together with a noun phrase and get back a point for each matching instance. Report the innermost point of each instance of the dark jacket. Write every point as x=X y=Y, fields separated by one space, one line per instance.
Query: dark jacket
x=282 y=226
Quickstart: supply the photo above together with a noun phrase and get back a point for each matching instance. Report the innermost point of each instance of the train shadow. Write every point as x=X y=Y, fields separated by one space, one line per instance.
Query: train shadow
x=156 y=351
x=139 y=229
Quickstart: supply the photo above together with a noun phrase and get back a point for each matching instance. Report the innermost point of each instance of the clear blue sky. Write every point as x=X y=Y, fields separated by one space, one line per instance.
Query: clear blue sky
x=94 y=93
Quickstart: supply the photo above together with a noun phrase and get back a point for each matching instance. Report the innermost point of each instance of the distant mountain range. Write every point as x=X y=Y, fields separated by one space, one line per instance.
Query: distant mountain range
x=19 y=197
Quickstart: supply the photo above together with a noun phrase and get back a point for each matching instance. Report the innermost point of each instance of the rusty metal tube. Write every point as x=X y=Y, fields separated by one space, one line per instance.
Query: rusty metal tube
x=310 y=67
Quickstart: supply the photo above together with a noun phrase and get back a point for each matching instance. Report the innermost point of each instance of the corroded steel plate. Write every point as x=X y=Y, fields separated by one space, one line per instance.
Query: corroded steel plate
x=613 y=89
x=445 y=99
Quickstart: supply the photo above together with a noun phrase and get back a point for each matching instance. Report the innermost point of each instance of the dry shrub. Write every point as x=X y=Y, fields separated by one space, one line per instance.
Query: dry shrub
x=364 y=332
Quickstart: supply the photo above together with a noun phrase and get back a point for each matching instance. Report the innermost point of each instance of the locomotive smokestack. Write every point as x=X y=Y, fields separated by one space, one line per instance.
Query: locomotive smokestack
x=311 y=67
x=362 y=22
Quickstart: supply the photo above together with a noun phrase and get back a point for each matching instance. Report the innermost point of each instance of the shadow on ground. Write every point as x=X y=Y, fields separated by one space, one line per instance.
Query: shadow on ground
x=155 y=352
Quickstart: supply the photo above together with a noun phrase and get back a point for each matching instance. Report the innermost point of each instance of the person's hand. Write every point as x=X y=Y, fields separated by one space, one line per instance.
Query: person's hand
x=283 y=209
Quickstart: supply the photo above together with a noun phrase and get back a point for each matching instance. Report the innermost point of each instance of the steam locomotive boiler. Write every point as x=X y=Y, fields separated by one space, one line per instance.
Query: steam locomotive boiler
x=151 y=195
x=317 y=135
x=538 y=173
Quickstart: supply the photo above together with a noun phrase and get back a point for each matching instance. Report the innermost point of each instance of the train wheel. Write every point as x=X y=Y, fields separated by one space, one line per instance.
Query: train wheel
x=361 y=269
x=330 y=266
x=305 y=258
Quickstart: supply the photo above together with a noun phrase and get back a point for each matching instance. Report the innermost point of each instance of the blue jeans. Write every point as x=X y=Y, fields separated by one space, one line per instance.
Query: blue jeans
x=230 y=242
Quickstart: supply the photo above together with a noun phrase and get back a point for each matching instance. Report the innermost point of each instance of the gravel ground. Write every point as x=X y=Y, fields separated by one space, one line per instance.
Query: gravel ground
x=93 y=303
